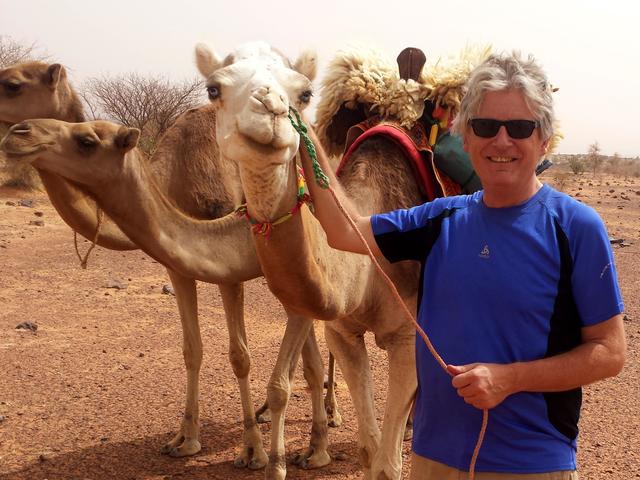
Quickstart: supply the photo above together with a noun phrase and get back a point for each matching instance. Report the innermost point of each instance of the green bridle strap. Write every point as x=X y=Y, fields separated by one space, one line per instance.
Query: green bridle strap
x=301 y=128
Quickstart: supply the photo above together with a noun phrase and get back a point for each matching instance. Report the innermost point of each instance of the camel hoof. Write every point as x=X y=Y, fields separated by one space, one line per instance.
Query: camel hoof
x=257 y=464
x=263 y=417
x=334 y=419
x=188 y=448
x=251 y=460
x=310 y=459
x=263 y=414
x=274 y=472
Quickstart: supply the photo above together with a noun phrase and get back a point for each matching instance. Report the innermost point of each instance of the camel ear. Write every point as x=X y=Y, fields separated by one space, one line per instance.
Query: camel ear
x=53 y=75
x=307 y=64
x=127 y=138
x=206 y=60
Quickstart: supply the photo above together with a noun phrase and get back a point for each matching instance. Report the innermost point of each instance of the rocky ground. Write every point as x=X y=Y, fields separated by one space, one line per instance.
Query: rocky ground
x=96 y=390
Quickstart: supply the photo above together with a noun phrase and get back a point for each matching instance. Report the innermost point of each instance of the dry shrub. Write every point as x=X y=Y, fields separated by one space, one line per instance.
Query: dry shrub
x=18 y=175
x=561 y=180
x=623 y=167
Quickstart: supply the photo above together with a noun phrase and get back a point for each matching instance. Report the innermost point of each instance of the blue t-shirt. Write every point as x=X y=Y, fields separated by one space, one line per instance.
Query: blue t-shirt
x=502 y=285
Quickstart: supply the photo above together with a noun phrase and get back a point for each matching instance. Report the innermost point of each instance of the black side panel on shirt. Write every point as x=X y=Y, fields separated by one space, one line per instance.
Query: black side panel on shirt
x=564 y=407
x=413 y=244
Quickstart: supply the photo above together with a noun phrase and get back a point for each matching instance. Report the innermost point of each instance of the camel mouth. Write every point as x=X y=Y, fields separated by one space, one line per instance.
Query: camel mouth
x=266 y=150
x=21 y=153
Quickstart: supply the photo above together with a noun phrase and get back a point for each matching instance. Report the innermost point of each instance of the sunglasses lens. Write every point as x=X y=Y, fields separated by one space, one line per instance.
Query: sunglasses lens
x=485 y=127
x=488 y=127
x=520 y=128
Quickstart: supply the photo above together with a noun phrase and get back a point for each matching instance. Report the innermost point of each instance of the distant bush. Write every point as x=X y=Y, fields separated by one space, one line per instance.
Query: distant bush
x=576 y=164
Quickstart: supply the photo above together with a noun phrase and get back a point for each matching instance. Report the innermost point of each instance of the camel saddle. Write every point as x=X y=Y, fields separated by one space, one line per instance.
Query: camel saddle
x=414 y=142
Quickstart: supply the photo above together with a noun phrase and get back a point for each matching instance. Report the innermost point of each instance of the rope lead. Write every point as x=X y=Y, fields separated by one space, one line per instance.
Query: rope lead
x=301 y=128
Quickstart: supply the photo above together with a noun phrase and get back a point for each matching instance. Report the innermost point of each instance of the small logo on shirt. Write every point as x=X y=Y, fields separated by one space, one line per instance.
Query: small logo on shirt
x=484 y=253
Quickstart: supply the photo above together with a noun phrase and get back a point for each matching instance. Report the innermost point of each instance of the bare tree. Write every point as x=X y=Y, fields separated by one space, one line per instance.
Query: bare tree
x=594 y=158
x=148 y=103
x=12 y=52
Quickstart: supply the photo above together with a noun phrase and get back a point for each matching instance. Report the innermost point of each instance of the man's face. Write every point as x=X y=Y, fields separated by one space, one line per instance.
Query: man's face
x=502 y=162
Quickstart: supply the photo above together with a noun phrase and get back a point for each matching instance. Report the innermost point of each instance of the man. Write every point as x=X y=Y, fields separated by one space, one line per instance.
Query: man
x=519 y=291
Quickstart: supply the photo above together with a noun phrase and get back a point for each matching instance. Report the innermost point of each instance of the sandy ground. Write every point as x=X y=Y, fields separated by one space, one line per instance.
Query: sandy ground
x=99 y=387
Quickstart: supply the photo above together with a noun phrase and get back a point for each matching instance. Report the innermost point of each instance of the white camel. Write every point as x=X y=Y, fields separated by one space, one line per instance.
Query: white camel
x=253 y=90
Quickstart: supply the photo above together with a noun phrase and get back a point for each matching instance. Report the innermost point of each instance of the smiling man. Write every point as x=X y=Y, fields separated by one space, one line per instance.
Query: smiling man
x=519 y=292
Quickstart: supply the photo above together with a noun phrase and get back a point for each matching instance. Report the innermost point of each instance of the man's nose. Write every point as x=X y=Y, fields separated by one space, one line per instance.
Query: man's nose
x=502 y=138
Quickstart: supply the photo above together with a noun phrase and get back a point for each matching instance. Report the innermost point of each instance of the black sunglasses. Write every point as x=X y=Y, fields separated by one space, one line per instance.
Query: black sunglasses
x=489 y=127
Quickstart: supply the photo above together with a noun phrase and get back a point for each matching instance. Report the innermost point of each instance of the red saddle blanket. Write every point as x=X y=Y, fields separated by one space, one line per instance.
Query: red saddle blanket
x=415 y=145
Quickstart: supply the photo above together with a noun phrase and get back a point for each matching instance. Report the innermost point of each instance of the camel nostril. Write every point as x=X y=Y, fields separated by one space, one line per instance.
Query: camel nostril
x=21 y=128
x=275 y=104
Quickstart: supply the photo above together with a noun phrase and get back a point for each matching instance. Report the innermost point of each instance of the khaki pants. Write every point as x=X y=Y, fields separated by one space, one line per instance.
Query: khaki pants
x=425 y=469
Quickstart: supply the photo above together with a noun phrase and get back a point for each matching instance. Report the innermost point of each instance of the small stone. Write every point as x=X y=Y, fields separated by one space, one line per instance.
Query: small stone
x=27 y=326
x=340 y=456
x=168 y=290
x=25 y=203
x=38 y=213
x=140 y=355
x=13 y=204
x=115 y=283
x=37 y=223
x=2 y=418
x=42 y=458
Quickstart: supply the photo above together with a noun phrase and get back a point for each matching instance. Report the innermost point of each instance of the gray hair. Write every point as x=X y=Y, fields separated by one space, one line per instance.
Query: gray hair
x=504 y=72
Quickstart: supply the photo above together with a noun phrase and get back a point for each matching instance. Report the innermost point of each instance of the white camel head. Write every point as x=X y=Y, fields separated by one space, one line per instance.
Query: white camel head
x=253 y=89
x=87 y=153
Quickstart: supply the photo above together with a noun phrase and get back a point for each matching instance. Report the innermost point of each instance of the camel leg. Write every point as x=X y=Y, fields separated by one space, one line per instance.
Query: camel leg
x=186 y=441
x=253 y=454
x=351 y=353
x=334 y=419
x=400 y=347
x=316 y=455
x=279 y=389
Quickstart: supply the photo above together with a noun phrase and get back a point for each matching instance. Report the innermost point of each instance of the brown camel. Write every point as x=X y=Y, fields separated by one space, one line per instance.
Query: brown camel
x=252 y=91
x=187 y=170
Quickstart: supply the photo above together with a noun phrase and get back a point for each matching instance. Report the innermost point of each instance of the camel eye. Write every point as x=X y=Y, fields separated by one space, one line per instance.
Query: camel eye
x=12 y=87
x=305 y=97
x=86 y=142
x=213 y=91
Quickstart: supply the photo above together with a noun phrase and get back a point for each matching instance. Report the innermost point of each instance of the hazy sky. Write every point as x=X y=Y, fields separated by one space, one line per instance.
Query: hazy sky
x=590 y=49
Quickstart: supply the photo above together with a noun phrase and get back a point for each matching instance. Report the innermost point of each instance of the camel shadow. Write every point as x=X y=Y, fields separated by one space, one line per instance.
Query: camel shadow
x=140 y=459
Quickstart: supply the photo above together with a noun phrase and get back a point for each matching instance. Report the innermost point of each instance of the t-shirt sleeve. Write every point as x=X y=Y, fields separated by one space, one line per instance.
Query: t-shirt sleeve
x=594 y=278
x=401 y=234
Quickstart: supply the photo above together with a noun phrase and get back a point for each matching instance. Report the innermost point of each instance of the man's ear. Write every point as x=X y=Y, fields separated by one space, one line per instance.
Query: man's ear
x=127 y=138
x=53 y=75
x=544 y=147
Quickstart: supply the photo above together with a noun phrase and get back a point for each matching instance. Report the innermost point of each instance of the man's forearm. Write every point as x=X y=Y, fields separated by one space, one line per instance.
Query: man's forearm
x=601 y=355
x=585 y=364
x=339 y=231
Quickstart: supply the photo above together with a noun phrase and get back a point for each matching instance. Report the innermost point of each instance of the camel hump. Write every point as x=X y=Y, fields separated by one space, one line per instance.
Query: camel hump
x=410 y=63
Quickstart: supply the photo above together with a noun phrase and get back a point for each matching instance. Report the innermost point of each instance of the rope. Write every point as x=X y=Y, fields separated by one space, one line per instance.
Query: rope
x=83 y=260
x=301 y=128
x=391 y=285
